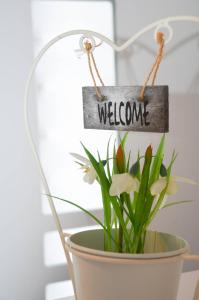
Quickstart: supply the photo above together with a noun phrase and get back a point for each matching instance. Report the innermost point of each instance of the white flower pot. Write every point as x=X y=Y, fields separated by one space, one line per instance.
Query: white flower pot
x=100 y=275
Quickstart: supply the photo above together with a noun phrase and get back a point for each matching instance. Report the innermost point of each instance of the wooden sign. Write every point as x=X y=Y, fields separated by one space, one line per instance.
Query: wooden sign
x=122 y=109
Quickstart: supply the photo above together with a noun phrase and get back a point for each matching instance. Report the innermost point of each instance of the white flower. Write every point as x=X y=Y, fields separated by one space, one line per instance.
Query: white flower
x=172 y=188
x=90 y=173
x=123 y=183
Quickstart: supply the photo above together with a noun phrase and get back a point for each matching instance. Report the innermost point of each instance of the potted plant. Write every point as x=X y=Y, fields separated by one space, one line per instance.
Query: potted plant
x=124 y=259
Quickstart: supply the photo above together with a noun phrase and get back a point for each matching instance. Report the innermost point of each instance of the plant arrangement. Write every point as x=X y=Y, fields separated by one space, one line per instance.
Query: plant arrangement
x=132 y=194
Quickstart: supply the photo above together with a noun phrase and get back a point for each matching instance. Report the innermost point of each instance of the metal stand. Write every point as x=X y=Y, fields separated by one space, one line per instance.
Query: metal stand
x=91 y=35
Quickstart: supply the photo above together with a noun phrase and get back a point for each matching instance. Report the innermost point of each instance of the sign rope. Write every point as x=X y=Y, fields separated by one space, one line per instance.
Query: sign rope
x=153 y=72
x=91 y=60
x=161 y=42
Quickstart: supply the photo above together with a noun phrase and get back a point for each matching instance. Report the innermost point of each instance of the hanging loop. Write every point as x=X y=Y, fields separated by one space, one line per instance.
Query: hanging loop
x=162 y=27
x=87 y=38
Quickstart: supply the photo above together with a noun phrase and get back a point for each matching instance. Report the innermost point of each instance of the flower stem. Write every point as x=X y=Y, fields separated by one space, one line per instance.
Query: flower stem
x=120 y=227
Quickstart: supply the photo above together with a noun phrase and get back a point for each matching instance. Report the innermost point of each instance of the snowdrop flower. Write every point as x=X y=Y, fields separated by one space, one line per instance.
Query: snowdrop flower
x=172 y=188
x=90 y=173
x=123 y=183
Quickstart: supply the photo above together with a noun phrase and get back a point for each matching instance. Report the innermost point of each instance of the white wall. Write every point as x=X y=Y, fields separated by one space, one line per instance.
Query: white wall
x=179 y=70
x=22 y=272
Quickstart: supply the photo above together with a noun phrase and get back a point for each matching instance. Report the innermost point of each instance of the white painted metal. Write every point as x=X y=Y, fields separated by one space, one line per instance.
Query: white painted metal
x=188 y=284
x=159 y=271
x=157 y=25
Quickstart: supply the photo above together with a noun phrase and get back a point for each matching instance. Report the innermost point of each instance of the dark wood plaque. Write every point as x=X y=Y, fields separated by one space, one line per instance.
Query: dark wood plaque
x=122 y=109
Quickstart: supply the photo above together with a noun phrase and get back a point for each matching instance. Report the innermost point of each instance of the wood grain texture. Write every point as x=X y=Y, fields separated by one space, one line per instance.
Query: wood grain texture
x=122 y=109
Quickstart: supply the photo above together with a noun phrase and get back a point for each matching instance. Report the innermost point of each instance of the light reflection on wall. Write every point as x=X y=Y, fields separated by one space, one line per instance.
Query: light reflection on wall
x=59 y=79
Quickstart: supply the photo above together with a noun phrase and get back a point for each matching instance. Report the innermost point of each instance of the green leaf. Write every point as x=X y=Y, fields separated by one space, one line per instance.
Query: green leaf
x=115 y=169
x=88 y=213
x=176 y=203
x=135 y=168
x=129 y=206
x=135 y=196
x=140 y=203
x=123 y=140
x=108 y=163
x=154 y=175
x=79 y=163
x=163 y=193
x=118 y=213
x=92 y=159
x=128 y=162
x=105 y=186
x=163 y=170
x=81 y=208
x=155 y=169
x=104 y=162
x=139 y=169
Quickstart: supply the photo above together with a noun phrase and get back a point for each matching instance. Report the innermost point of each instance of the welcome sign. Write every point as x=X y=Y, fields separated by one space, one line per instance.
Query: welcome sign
x=121 y=108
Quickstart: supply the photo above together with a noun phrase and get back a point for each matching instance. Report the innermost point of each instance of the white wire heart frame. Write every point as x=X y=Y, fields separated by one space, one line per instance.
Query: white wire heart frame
x=91 y=35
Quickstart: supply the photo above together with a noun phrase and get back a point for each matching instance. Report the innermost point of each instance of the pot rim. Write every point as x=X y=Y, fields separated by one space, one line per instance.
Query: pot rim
x=110 y=254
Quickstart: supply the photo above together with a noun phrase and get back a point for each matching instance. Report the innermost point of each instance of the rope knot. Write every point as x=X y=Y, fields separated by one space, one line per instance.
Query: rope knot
x=88 y=46
x=160 y=37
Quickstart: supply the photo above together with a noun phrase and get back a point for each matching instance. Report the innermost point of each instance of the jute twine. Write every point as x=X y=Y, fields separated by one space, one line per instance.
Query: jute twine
x=91 y=60
x=152 y=74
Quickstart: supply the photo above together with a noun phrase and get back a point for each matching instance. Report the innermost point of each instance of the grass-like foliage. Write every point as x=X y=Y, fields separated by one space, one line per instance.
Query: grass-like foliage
x=132 y=194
